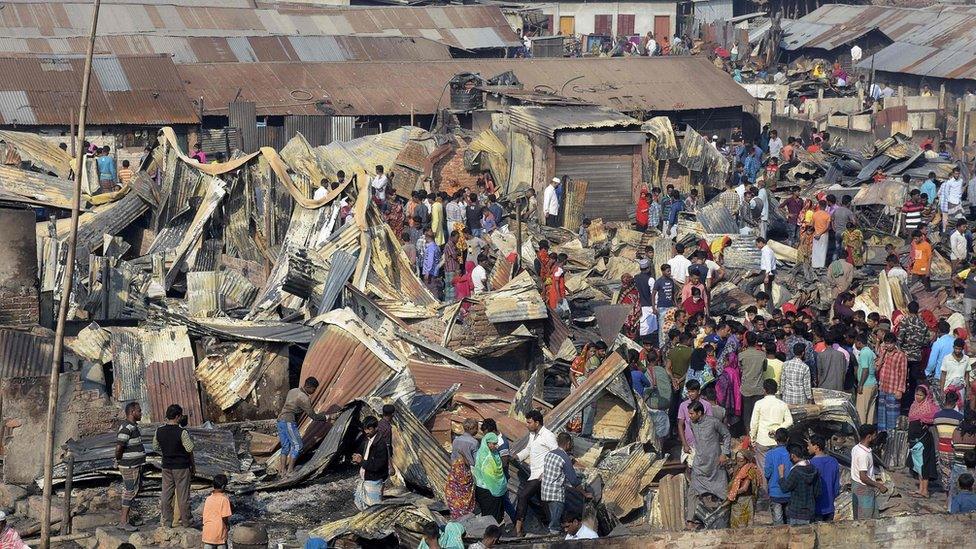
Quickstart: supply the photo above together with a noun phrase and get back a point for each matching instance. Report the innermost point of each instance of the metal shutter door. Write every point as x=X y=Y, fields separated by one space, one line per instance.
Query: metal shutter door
x=609 y=172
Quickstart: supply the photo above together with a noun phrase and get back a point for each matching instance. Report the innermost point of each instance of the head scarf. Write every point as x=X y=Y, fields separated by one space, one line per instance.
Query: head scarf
x=453 y=535
x=703 y=246
x=925 y=410
x=488 y=473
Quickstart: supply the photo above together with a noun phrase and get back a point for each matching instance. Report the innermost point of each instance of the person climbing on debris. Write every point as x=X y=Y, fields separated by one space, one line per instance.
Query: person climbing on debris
x=297 y=401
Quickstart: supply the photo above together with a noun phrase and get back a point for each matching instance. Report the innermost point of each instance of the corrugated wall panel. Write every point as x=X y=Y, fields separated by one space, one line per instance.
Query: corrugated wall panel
x=609 y=172
x=313 y=128
x=173 y=382
x=242 y=115
x=23 y=354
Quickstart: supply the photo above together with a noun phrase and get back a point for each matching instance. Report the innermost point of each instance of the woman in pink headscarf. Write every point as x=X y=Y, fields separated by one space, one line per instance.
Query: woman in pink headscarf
x=921 y=454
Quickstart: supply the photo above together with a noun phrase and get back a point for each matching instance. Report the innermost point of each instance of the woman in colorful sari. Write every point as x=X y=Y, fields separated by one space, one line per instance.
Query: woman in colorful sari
x=743 y=490
x=853 y=242
x=463 y=285
x=459 y=491
x=489 y=478
x=921 y=460
x=630 y=296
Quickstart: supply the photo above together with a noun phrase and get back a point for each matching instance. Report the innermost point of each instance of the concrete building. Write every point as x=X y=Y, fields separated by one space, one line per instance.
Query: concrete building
x=612 y=18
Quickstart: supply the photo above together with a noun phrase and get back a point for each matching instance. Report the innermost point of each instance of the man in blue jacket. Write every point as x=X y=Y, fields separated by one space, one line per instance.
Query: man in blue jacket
x=776 y=468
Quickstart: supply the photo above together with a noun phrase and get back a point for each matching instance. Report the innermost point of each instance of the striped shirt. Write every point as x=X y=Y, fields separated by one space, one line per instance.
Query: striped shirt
x=133 y=452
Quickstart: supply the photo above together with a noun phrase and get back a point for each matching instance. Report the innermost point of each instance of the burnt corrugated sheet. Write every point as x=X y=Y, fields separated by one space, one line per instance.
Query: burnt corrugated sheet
x=716 y=218
x=135 y=348
x=236 y=289
x=242 y=330
x=596 y=382
x=548 y=120
x=341 y=266
x=346 y=369
x=24 y=354
x=214 y=452
x=417 y=455
x=228 y=378
x=624 y=490
x=202 y=293
x=173 y=382
x=519 y=300
x=664 y=145
x=109 y=219
x=378 y=522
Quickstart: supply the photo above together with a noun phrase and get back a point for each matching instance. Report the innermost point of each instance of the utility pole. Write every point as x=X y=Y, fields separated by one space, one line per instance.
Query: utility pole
x=69 y=271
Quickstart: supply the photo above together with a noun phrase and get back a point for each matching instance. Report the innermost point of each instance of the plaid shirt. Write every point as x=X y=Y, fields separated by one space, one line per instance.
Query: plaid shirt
x=808 y=356
x=554 y=476
x=730 y=199
x=913 y=336
x=654 y=215
x=891 y=370
x=794 y=382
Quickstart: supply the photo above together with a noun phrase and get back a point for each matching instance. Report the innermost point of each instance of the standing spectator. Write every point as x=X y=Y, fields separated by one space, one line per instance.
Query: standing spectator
x=378 y=184
x=775 y=143
x=216 y=515
x=558 y=475
x=821 y=226
x=384 y=431
x=921 y=455
x=643 y=211
x=130 y=456
x=831 y=367
x=459 y=491
x=125 y=174
x=829 y=470
x=198 y=154
x=892 y=370
x=743 y=490
x=663 y=297
x=105 y=165
x=793 y=206
x=752 y=360
x=946 y=421
x=775 y=468
x=864 y=486
x=175 y=446
x=437 y=223
x=550 y=203
x=767 y=264
x=795 y=377
x=452 y=265
x=472 y=215
x=913 y=337
x=841 y=218
x=374 y=466
x=803 y=485
x=950 y=199
x=708 y=479
x=479 y=276
x=432 y=260
x=769 y=415
x=541 y=442
x=867 y=382
x=922 y=260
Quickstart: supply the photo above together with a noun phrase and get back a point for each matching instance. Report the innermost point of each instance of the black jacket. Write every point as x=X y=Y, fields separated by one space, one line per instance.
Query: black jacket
x=377 y=464
x=803 y=485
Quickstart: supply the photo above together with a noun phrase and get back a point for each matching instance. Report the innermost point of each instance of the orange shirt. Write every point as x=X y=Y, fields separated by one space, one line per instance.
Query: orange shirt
x=215 y=510
x=125 y=175
x=923 y=258
x=821 y=222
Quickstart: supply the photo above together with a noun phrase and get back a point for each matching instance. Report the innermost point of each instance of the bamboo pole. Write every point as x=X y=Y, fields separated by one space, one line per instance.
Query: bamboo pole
x=52 y=399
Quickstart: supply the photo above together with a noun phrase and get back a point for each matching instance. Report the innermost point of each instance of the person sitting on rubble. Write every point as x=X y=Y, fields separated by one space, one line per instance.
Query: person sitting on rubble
x=297 y=401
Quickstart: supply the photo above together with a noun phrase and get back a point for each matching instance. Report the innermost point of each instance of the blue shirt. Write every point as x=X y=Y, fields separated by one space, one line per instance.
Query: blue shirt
x=432 y=256
x=865 y=361
x=106 y=167
x=751 y=166
x=928 y=189
x=774 y=458
x=940 y=349
x=829 y=471
x=964 y=502
x=675 y=208
x=639 y=381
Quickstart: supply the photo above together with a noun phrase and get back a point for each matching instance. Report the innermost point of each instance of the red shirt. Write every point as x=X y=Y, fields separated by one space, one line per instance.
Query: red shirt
x=643 y=211
x=693 y=308
x=892 y=370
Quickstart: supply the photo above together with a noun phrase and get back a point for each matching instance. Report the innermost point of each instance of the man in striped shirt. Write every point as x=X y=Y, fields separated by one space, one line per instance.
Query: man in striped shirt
x=130 y=456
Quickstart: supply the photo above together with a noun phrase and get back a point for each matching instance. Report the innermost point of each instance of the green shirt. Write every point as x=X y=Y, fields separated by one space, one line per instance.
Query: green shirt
x=680 y=358
x=865 y=361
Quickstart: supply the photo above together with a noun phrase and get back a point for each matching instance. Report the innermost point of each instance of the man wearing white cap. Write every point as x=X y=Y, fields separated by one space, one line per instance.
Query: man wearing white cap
x=550 y=203
x=9 y=538
x=644 y=283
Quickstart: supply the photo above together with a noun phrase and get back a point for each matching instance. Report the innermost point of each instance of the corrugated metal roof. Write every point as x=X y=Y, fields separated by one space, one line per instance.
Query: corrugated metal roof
x=229 y=378
x=548 y=120
x=242 y=49
x=517 y=301
x=469 y=27
x=416 y=453
x=376 y=522
x=173 y=382
x=25 y=354
x=322 y=456
x=643 y=84
x=135 y=348
x=939 y=41
x=31 y=187
x=126 y=90
x=42 y=153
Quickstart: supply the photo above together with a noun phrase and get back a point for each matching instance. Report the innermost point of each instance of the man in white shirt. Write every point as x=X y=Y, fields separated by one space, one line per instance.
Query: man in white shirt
x=864 y=488
x=775 y=144
x=763 y=196
x=321 y=191
x=958 y=245
x=378 y=184
x=679 y=264
x=767 y=265
x=894 y=269
x=951 y=199
x=541 y=442
x=768 y=414
x=479 y=276
x=550 y=203
x=575 y=529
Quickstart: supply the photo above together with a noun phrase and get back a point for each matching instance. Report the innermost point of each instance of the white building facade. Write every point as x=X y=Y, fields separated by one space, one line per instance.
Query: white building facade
x=611 y=18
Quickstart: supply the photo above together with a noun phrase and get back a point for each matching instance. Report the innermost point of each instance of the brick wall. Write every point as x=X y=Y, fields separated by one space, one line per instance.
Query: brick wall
x=935 y=530
x=450 y=175
x=18 y=307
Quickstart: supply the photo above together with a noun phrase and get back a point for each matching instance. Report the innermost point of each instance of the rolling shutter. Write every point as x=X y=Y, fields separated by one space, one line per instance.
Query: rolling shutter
x=609 y=172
